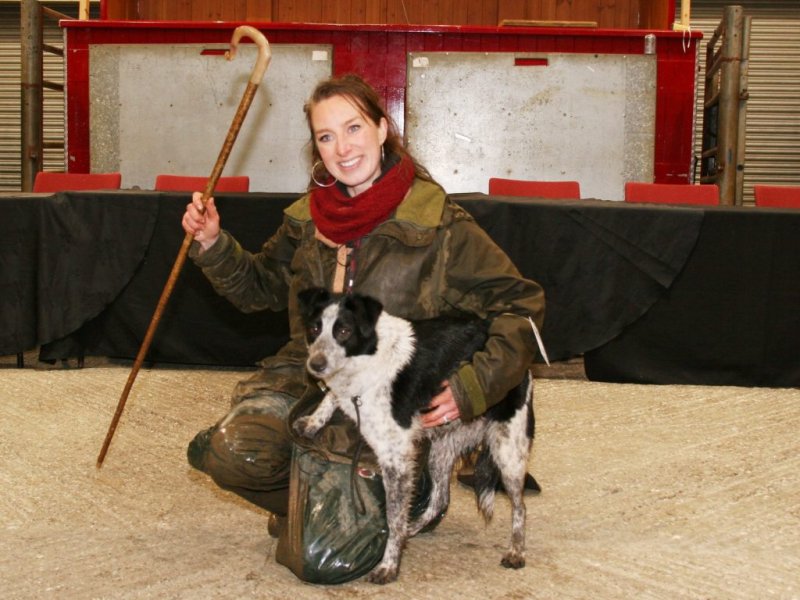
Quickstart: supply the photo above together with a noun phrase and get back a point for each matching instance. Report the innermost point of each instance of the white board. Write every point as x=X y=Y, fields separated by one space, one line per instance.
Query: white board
x=585 y=117
x=165 y=108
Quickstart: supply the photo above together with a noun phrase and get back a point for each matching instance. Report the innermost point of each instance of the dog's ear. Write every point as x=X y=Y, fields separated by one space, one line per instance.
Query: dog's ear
x=312 y=300
x=372 y=308
x=367 y=310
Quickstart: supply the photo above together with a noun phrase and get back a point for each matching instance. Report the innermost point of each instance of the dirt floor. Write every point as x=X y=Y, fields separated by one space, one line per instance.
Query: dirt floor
x=649 y=492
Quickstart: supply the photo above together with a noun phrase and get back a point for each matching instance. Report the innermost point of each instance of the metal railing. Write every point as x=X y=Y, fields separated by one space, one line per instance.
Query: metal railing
x=724 y=106
x=33 y=49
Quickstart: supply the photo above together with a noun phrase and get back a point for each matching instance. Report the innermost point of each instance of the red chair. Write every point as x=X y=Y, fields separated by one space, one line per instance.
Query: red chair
x=671 y=193
x=52 y=181
x=782 y=196
x=188 y=183
x=535 y=189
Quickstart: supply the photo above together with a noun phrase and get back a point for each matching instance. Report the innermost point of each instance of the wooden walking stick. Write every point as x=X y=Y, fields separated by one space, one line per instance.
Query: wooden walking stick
x=257 y=74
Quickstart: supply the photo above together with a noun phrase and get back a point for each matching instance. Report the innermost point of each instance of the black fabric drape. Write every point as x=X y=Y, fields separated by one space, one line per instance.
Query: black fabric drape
x=198 y=326
x=732 y=317
x=602 y=264
x=64 y=258
x=19 y=243
x=647 y=293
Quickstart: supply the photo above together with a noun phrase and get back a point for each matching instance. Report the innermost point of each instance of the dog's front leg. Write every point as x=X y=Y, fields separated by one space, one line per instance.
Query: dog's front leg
x=309 y=425
x=398 y=482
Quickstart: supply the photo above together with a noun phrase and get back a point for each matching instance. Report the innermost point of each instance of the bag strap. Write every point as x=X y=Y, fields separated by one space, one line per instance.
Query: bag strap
x=336 y=450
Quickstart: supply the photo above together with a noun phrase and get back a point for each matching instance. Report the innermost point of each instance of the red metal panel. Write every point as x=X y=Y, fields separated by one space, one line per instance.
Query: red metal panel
x=471 y=42
x=359 y=43
x=451 y=43
x=397 y=48
x=342 y=59
x=77 y=110
x=490 y=43
x=379 y=43
x=379 y=53
x=396 y=66
x=433 y=42
x=565 y=44
x=585 y=45
x=415 y=41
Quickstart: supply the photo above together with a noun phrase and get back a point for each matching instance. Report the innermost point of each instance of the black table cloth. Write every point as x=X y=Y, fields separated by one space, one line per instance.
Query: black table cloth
x=63 y=259
x=731 y=317
x=627 y=285
x=602 y=264
x=197 y=327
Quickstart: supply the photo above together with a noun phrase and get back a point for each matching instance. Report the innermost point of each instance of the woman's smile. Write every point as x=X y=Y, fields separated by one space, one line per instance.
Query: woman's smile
x=348 y=142
x=349 y=164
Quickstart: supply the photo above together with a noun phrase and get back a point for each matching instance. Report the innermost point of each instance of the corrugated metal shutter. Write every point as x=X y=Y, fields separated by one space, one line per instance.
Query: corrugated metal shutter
x=10 y=163
x=773 y=109
x=10 y=94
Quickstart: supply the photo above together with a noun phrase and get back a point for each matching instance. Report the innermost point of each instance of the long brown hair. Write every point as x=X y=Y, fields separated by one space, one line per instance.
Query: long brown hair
x=364 y=97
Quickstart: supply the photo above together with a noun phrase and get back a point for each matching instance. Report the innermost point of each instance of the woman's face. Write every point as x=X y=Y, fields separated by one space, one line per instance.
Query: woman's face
x=348 y=142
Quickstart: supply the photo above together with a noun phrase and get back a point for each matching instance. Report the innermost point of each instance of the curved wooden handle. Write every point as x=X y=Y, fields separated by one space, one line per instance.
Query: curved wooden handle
x=264 y=53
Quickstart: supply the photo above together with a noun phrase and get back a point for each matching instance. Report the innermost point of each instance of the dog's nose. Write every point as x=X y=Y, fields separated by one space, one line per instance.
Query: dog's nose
x=317 y=363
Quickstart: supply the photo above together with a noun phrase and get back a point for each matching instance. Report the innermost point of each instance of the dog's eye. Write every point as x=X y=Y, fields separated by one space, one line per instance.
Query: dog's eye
x=342 y=332
x=314 y=330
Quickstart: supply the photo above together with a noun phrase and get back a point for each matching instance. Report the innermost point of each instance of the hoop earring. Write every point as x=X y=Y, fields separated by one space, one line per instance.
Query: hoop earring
x=314 y=179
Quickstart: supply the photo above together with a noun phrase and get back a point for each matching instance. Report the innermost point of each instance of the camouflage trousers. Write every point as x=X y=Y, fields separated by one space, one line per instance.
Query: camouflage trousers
x=249 y=450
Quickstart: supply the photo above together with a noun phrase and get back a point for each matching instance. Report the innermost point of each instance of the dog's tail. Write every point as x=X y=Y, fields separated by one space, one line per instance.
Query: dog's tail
x=487 y=476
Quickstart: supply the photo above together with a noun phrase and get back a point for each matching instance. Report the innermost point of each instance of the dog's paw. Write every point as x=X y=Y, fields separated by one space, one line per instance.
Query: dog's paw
x=304 y=427
x=513 y=560
x=382 y=575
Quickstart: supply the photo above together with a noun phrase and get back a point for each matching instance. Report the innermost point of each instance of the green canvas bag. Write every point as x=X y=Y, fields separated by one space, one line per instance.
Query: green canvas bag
x=335 y=529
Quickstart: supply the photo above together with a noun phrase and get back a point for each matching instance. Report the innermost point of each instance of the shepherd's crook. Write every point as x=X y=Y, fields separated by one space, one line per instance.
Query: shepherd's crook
x=262 y=62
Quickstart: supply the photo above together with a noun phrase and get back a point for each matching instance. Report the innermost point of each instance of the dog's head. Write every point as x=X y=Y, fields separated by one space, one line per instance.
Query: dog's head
x=336 y=328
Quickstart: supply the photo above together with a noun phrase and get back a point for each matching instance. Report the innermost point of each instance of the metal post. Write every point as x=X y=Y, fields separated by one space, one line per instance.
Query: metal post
x=708 y=158
x=31 y=91
x=729 y=103
x=744 y=94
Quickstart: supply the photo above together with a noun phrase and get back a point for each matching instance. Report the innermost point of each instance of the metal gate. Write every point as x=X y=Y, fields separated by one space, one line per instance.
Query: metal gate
x=772 y=153
x=724 y=105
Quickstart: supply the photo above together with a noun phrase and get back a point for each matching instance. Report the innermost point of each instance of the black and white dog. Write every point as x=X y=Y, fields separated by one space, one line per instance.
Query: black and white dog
x=382 y=371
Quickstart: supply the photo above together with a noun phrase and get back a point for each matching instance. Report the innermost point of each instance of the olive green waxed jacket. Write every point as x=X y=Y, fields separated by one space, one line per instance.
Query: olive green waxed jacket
x=429 y=259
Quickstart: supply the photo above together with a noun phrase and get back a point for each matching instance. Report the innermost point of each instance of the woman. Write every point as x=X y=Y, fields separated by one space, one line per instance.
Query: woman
x=375 y=222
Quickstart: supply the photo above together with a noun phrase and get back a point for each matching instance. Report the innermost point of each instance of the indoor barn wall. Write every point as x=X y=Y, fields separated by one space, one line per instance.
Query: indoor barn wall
x=619 y=14
x=380 y=54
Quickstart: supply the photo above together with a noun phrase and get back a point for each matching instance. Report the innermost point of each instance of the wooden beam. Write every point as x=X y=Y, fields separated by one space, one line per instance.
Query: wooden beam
x=534 y=23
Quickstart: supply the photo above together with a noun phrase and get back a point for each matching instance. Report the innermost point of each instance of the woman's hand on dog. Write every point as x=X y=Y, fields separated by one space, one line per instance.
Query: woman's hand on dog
x=442 y=409
x=203 y=226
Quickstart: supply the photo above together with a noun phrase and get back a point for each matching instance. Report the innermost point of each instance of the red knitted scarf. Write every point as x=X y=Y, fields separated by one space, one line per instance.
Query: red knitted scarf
x=343 y=219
